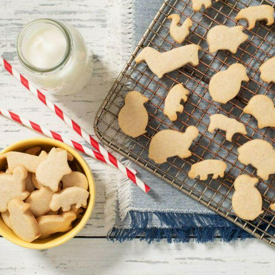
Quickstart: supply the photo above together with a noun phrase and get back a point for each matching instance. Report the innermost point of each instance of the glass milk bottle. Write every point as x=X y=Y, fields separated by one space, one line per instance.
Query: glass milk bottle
x=55 y=56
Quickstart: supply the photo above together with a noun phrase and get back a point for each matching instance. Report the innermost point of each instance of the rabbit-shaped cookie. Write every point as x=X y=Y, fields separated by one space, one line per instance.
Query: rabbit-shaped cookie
x=133 y=117
x=247 y=200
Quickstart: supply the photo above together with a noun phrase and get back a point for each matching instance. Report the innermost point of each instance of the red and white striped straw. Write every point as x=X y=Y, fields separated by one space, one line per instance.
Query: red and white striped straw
x=38 y=94
x=74 y=144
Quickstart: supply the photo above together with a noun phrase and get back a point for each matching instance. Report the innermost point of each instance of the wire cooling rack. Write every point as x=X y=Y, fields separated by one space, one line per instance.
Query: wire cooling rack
x=215 y=194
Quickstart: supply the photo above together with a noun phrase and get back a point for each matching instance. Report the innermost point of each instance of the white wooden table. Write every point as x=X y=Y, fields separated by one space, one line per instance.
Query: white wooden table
x=90 y=252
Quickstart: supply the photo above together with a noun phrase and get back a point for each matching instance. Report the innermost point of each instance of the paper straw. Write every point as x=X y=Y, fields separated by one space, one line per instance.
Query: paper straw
x=31 y=87
x=76 y=145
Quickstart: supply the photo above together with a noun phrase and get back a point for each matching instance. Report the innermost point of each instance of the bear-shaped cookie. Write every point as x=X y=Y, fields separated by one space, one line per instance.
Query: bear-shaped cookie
x=166 y=62
x=12 y=186
x=133 y=117
x=230 y=125
x=246 y=200
x=207 y=167
x=260 y=154
x=256 y=13
x=170 y=143
x=172 y=101
x=225 y=85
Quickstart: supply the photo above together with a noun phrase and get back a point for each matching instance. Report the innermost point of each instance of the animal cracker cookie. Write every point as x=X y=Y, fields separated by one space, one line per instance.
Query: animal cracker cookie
x=75 y=179
x=268 y=71
x=198 y=4
x=256 y=13
x=52 y=224
x=29 y=186
x=162 y=63
x=246 y=201
x=39 y=201
x=68 y=197
x=172 y=102
x=6 y=218
x=133 y=117
x=179 y=33
x=272 y=207
x=230 y=125
x=262 y=108
x=22 y=221
x=207 y=167
x=12 y=186
x=225 y=38
x=15 y=159
x=260 y=154
x=170 y=143
x=33 y=150
x=225 y=85
x=52 y=169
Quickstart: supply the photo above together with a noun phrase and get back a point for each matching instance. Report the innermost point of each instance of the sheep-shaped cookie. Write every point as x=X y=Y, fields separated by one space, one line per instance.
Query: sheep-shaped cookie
x=256 y=13
x=246 y=201
x=162 y=63
x=207 y=167
x=225 y=38
x=12 y=186
x=260 y=154
x=170 y=143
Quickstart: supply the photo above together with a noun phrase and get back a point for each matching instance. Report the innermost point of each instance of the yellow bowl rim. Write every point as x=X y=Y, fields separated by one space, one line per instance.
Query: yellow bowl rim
x=73 y=232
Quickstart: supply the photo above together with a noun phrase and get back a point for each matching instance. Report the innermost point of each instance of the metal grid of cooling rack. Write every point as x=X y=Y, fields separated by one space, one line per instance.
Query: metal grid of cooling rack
x=215 y=194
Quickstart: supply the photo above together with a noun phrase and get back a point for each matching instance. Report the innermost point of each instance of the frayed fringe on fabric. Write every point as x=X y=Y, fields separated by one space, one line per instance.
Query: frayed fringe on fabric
x=178 y=228
x=118 y=194
x=120 y=35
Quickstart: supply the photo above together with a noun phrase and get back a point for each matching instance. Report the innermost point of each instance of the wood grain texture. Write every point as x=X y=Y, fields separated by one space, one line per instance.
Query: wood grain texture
x=89 y=254
x=99 y=257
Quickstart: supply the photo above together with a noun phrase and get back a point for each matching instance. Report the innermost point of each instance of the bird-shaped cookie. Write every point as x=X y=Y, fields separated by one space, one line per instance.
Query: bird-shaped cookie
x=133 y=117
x=179 y=33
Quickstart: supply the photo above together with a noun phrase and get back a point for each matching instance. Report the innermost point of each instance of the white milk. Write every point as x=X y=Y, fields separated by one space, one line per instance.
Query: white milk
x=55 y=56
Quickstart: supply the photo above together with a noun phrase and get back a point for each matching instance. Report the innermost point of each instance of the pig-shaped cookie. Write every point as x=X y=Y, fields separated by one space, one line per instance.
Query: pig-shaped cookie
x=260 y=154
x=12 y=186
x=207 y=167
x=133 y=117
x=170 y=143
x=68 y=197
x=225 y=85
x=246 y=201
